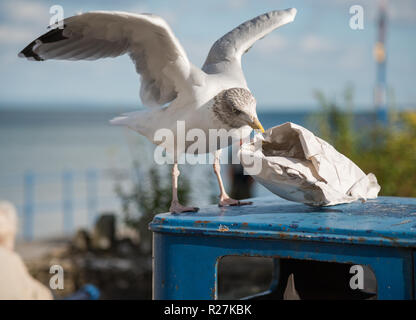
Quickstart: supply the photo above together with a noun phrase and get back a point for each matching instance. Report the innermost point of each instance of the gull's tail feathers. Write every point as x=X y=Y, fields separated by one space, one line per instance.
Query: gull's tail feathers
x=133 y=120
x=120 y=121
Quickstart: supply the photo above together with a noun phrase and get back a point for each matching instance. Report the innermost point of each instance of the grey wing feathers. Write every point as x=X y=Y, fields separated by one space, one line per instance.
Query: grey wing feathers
x=156 y=52
x=229 y=49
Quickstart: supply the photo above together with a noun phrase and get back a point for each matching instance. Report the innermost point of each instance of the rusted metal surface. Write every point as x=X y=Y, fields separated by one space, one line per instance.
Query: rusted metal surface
x=380 y=234
x=386 y=221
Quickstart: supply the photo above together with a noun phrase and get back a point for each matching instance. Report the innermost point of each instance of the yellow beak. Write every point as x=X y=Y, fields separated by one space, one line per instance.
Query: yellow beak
x=256 y=125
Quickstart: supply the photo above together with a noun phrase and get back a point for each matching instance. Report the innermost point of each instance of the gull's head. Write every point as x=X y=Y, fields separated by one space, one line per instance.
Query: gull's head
x=236 y=107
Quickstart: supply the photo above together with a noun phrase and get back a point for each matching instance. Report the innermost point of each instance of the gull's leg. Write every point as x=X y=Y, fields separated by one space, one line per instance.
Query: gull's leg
x=225 y=199
x=175 y=206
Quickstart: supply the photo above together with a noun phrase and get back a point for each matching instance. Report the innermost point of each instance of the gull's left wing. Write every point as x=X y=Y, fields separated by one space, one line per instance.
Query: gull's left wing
x=156 y=52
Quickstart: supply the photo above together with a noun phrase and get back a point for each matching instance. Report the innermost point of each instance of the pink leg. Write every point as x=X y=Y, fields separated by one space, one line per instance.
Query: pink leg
x=225 y=199
x=175 y=206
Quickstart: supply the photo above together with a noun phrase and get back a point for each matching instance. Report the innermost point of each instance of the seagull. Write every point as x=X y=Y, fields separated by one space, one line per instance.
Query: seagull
x=215 y=96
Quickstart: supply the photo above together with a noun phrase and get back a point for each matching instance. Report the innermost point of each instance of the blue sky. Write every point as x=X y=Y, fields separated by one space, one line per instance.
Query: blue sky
x=318 y=51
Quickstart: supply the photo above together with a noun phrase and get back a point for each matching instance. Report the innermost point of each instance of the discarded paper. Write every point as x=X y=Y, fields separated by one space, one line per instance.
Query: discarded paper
x=298 y=166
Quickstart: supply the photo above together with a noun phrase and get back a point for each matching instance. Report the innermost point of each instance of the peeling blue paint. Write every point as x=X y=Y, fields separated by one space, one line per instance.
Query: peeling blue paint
x=384 y=221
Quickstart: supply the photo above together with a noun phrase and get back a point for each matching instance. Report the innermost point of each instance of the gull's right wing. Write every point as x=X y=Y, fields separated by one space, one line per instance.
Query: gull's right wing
x=225 y=55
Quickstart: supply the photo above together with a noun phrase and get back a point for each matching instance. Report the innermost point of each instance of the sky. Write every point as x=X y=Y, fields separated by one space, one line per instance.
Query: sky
x=318 y=51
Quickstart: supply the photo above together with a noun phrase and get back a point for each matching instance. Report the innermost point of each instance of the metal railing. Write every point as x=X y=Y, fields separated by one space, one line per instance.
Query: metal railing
x=66 y=192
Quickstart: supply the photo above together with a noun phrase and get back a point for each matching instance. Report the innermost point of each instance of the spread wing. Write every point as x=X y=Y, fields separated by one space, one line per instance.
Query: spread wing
x=225 y=54
x=156 y=52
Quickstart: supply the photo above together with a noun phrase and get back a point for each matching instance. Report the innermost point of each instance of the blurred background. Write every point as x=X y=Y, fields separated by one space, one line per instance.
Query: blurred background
x=75 y=178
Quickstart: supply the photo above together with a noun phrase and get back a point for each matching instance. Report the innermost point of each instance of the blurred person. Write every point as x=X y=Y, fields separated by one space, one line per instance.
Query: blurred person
x=15 y=281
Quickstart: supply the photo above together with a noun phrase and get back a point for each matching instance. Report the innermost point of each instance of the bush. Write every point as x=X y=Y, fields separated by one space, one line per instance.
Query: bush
x=148 y=197
x=387 y=150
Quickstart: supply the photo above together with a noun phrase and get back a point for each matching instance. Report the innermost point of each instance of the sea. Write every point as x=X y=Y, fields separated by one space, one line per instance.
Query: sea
x=61 y=168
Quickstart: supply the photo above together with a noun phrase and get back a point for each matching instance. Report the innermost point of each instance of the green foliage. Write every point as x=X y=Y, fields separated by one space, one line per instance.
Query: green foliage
x=148 y=197
x=335 y=125
x=388 y=151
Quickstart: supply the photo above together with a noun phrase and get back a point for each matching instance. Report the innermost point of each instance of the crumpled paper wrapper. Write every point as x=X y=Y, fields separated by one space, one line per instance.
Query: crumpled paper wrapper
x=298 y=166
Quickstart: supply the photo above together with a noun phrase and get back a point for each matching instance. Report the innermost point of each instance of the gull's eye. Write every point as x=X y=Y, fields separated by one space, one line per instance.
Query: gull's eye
x=236 y=111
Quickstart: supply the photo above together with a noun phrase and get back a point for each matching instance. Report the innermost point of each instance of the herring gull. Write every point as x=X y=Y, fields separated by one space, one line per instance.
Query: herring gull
x=215 y=96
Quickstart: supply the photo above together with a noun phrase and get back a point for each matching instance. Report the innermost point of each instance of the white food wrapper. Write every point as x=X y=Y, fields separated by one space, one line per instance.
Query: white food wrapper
x=296 y=165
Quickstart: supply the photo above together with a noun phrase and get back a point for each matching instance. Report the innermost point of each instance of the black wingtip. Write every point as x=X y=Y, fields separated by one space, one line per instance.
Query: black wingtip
x=29 y=53
x=49 y=37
